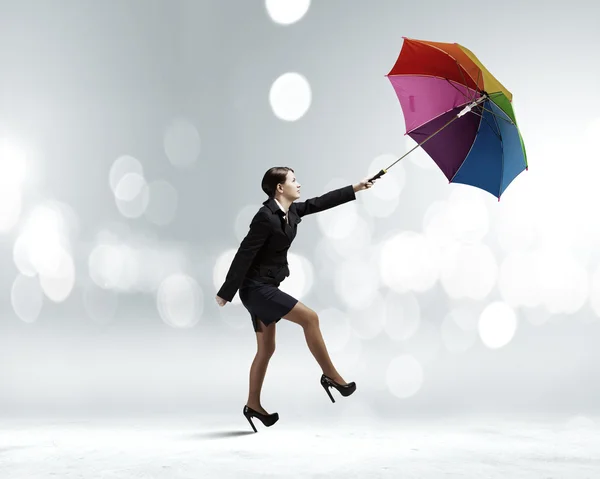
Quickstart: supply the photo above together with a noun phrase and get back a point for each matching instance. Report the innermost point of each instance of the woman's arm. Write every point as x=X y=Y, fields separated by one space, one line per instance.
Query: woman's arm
x=331 y=199
x=260 y=229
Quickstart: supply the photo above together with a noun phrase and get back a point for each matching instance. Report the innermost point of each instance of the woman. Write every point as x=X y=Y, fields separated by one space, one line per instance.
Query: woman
x=258 y=268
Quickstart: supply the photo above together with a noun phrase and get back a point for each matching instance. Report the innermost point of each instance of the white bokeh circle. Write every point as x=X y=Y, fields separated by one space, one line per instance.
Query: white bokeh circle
x=497 y=325
x=468 y=270
x=162 y=203
x=335 y=328
x=357 y=281
x=182 y=143
x=286 y=12
x=409 y=261
x=404 y=376
x=456 y=334
x=132 y=195
x=180 y=301
x=402 y=315
x=27 y=298
x=122 y=166
x=290 y=96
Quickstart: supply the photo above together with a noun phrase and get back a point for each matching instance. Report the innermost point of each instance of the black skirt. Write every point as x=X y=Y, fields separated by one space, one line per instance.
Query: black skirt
x=265 y=302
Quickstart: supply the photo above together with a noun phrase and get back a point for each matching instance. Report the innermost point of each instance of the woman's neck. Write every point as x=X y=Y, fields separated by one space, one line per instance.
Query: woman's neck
x=284 y=202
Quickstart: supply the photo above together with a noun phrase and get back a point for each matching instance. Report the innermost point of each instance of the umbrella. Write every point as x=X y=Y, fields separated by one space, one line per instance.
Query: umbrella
x=459 y=113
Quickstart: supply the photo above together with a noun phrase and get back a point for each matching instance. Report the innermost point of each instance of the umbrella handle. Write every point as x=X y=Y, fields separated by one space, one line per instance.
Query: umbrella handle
x=378 y=175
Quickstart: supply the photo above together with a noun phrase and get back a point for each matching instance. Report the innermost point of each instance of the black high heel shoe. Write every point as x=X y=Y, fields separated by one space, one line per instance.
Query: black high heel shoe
x=267 y=419
x=344 y=389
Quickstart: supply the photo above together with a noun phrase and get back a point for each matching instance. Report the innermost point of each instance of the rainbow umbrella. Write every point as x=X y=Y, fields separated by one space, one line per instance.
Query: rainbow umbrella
x=440 y=83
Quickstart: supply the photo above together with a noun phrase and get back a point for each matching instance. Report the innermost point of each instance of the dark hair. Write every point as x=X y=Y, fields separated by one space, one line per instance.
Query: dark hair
x=273 y=177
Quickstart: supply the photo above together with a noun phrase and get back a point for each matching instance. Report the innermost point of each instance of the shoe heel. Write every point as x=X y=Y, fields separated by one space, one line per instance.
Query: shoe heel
x=328 y=391
x=251 y=423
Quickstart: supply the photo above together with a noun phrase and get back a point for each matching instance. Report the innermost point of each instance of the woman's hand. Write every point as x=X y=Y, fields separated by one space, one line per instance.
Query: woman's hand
x=220 y=301
x=364 y=184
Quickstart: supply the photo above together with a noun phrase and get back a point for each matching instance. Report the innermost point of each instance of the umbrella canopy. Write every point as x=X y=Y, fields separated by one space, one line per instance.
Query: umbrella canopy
x=438 y=83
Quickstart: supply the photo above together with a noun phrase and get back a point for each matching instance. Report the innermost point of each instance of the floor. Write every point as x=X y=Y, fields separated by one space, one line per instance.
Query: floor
x=226 y=447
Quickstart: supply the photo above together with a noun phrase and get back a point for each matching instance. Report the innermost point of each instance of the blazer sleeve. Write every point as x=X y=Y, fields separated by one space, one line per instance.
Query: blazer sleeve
x=324 y=202
x=260 y=229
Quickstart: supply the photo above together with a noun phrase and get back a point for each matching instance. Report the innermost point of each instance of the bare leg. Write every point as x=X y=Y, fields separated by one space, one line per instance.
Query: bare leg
x=266 y=347
x=309 y=321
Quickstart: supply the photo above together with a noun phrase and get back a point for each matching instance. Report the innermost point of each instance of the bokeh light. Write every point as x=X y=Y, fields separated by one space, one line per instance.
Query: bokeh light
x=462 y=217
x=409 y=261
x=368 y=321
x=100 y=304
x=58 y=283
x=286 y=12
x=426 y=343
x=43 y=248
x=457 y=338
x=468 y=270
x=122 y=166
x=552 y=277
x=182 y=143
x=357 y=280
x=404 y=376
x=27 y=298
x=338 y=222
x=180 y=301
x=162 y=204
x=300 y=281
x=402 y=315
x=10 y=207
x=497 y=325
x=132 y=264
x=132 y=195
x=418 y=156
x=290 y=96
x=383 y=199
x=13 y=165
x=335 y=328
x=356 y=242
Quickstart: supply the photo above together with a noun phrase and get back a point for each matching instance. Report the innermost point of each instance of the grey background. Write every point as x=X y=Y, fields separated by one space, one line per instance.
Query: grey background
x=86 y=82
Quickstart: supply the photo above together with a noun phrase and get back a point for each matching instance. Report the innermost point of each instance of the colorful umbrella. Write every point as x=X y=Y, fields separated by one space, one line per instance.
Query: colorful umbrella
x=439 y=83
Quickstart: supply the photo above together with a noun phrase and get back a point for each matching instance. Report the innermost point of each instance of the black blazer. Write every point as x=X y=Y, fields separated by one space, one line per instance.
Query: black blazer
x=262 y=254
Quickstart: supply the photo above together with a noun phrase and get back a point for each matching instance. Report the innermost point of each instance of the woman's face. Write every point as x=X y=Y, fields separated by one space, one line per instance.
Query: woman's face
x=291 y=187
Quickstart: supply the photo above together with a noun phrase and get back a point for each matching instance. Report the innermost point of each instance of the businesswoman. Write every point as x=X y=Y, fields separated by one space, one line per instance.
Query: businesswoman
x=258 y=268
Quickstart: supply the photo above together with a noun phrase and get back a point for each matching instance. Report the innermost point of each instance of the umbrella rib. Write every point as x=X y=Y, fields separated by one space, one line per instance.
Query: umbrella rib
x=465 y=80
x=435 y=117
x=445 y=53
x=502 y=164
x=497 y=133
x=462 y=93
x=469 y=152
x=477 y=83
x=497 y=116
x=508 y=118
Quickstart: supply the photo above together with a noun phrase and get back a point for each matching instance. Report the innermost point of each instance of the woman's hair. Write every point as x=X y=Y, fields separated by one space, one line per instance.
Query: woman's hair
x=273 y=177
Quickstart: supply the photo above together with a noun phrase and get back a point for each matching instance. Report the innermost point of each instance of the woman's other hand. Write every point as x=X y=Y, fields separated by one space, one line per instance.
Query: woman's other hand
x=220 y=301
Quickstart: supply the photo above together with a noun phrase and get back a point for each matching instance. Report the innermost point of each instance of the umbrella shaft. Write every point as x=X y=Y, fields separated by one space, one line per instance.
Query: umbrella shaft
x=464 y=111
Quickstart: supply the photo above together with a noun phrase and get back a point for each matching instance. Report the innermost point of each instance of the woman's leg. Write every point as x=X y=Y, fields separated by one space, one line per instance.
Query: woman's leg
x=265 y=339
x=309 y=320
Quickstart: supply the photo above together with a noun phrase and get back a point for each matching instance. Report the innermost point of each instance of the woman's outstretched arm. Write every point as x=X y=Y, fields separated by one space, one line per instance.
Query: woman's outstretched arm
x=331 y=199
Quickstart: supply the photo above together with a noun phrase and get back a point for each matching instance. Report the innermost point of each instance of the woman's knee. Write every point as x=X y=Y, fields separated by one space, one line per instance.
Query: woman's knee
x=303 y=315
x=266 y=349
x=312 y=319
